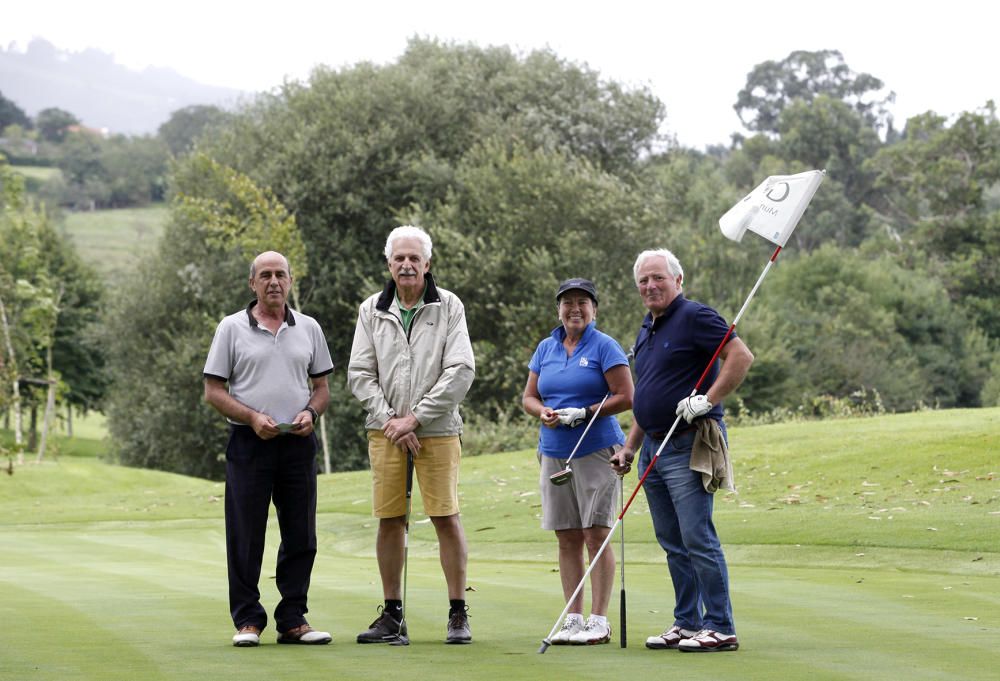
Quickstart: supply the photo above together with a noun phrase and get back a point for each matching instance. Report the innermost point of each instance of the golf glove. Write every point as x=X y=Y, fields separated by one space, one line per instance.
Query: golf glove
x=572 y=416
x=693 y=407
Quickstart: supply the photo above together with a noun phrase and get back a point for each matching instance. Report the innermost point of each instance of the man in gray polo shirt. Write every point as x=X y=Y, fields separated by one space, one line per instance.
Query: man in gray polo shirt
x=270 y=354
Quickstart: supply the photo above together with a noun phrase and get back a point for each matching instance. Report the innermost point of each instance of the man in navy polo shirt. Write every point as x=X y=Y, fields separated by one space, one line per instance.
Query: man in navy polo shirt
x=269 y=354
x=675 y=343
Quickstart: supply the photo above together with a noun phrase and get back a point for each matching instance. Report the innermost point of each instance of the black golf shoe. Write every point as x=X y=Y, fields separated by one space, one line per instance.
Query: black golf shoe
x=458 y=627
x=384 y=629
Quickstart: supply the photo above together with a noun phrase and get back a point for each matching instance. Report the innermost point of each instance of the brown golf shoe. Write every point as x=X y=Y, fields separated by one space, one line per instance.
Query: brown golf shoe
x=304 y=635
x=247 y=637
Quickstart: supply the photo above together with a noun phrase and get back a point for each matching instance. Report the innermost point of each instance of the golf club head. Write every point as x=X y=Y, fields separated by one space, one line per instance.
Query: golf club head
x=561 y=477
x=398 y=640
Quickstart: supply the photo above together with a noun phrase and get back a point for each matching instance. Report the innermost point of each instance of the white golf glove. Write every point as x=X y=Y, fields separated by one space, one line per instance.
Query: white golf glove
x=693 y=407
x=572 y=416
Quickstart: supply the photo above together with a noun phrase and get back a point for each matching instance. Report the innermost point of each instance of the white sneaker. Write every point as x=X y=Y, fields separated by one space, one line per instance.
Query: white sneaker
x=593 y=633
x=669 y=639
x=572 y=625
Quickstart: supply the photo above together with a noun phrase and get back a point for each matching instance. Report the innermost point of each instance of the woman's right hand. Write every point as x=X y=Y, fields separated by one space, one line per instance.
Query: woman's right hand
x=548 y=417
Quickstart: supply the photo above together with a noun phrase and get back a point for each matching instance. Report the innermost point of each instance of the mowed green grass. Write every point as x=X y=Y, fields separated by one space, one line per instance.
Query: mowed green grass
x=111 y=240
x=859 y=549
x=37 y=173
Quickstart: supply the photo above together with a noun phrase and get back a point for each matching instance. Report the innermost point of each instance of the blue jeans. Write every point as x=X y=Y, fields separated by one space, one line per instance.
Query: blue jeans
x=682 y=518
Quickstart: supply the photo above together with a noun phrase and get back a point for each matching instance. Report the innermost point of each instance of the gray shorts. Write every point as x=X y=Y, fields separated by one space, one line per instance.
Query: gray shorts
x=589 y=499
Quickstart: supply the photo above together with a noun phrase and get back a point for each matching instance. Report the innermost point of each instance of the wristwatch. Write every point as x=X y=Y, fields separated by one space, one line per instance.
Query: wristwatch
x=312 y=412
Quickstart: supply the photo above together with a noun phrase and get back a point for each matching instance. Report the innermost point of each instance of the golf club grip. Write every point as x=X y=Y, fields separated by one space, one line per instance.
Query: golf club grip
x=409 y=473
x=623 y=636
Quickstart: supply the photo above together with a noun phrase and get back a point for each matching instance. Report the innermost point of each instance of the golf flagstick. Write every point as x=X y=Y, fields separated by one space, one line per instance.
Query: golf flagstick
x=622 y=635
x=765 y=212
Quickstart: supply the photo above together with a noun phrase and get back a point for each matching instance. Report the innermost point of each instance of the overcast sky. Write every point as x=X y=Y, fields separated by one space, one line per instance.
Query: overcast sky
x=695 y=56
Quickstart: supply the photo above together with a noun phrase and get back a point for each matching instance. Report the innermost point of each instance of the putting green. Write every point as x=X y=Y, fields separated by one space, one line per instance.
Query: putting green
x=109 y=573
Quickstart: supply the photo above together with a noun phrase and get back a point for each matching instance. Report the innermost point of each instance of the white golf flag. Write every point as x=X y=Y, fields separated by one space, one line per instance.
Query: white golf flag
x=773 y=208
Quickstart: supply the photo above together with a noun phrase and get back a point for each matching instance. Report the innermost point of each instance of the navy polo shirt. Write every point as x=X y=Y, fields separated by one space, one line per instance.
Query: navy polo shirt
x=671 y=352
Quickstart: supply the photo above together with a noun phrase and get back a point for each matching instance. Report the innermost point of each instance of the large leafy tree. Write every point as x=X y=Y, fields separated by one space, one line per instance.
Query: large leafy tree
x=185 y=126
x=52 y=123
x=940 y=186
x=50 y=301
x=834 y=322
x=803 y=76
x=109 y=173
x=12 y=114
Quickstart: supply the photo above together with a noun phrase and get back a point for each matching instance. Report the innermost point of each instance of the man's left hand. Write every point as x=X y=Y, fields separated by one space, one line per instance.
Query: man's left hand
x=303 y=424
x=693 y=407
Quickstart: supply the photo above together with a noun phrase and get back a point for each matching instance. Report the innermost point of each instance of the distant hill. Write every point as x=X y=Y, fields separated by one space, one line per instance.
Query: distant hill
x=100 y=92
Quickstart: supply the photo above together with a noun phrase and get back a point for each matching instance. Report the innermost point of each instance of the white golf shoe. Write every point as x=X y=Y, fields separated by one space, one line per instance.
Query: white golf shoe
x=572 y=625
x=669 y=639
x=305 y=635
x=594 y=632
x=247 y=637
x=708 y=641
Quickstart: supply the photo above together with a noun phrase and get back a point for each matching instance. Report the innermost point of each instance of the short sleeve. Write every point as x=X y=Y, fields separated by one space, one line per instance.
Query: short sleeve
x=220 y=355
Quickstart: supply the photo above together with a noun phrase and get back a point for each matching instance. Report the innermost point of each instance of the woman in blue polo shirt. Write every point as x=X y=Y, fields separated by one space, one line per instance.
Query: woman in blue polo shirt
x=569 y=375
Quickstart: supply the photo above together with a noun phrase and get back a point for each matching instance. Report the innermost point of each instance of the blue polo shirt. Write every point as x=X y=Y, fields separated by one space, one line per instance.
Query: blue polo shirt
x=576 y=381
x=671 y=352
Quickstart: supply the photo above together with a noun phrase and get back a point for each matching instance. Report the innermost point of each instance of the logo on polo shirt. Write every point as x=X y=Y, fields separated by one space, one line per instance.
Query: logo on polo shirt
x=583 y=362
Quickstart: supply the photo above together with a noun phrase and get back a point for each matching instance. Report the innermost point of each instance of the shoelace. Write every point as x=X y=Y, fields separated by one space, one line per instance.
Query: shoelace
x=708 y=634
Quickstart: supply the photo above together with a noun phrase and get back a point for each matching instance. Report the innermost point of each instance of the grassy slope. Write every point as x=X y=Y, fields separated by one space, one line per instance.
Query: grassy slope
x=110 y=240
x=37 y=173
x=112 y=573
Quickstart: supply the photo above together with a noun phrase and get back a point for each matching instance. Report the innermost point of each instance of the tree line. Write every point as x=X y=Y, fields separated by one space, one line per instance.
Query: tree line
x=98 y=169
x=528 y=169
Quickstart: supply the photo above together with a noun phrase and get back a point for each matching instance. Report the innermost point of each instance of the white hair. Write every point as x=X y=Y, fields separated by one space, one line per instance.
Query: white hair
x=409 y=232
x=673 y=264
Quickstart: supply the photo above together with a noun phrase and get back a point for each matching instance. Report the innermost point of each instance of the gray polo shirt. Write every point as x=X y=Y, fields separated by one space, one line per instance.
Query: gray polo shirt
x=269 y=372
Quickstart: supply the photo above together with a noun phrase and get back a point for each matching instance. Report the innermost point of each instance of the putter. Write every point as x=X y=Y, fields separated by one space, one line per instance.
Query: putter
x=622 y=636
x=566 y=474
x=401 y=639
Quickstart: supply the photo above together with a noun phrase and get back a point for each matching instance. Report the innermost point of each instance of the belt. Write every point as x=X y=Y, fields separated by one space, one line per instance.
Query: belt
x=660 y=436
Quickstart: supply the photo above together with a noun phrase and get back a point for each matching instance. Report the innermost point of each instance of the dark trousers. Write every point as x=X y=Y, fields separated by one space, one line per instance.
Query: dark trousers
x=258 y=471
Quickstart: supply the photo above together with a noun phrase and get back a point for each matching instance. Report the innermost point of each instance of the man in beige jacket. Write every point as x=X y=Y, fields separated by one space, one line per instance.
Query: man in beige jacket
x=411 y=366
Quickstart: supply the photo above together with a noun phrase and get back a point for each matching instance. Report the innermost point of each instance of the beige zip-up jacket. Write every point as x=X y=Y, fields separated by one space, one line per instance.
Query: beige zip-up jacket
x=427 y=373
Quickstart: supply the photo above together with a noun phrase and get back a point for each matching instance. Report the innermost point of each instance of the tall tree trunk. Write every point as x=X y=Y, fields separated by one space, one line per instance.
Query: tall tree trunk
x=16 y=388
x=321 y=424
x=69 y=420
x=32 y=431
x=326 y=444
x=50 y=407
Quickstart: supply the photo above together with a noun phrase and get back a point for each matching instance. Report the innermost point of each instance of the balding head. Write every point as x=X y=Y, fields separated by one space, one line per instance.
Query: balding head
x=271 y=281
x=267 y=255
